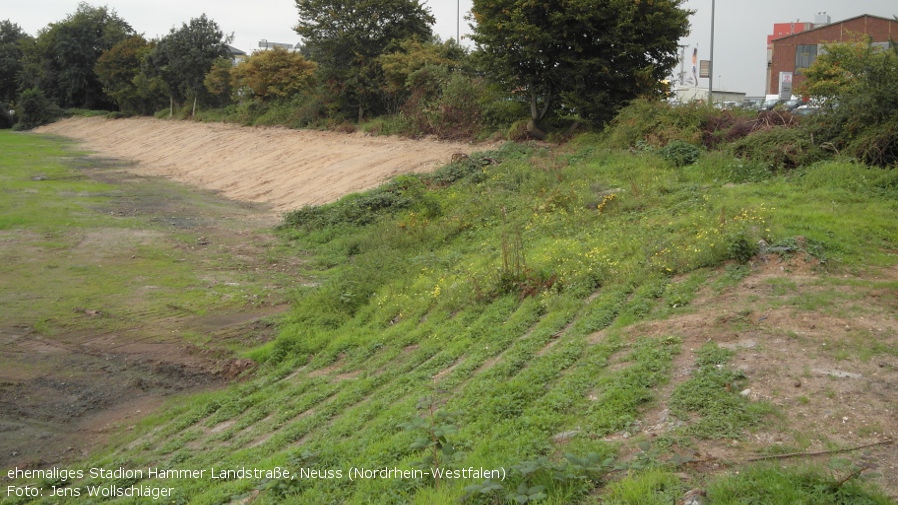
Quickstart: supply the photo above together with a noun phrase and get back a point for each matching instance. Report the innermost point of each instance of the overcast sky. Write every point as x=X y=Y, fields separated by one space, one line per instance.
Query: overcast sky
x=740 y=45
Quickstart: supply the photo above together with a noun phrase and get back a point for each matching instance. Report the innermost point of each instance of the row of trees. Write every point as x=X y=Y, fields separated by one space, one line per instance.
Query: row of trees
x=94 y=59
x=574 y=59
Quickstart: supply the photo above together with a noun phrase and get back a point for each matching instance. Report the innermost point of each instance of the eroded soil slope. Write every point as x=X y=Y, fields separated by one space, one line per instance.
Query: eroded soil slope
x=281 y=167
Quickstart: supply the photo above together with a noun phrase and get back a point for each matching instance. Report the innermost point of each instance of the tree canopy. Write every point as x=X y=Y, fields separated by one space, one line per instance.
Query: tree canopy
x=273 y=74
x=588 y=56
x=61 y=60
x=857 y=85
x=11 y=40
x=345 y=37
x=184 y=57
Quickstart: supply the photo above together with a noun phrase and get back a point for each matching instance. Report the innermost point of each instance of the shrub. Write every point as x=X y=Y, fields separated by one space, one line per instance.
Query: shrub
x=876 y=146
x=34 y=109
x=857 y=83
x=517 y=132
x=469 y=166
x=6 y=120
x=456 y=112
x=499 y=111
x=360 y=209
x=655 y=123
x=780 y=148
x=680 y=153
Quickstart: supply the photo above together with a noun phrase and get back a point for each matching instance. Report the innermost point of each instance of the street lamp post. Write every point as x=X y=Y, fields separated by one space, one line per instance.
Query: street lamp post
x=711 y=62
x=458 y=22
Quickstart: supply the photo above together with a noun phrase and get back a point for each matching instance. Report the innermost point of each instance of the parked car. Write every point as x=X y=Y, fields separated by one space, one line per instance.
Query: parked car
x=752 y=103
x=791 y=105
x=769 y=104
x=806 y=110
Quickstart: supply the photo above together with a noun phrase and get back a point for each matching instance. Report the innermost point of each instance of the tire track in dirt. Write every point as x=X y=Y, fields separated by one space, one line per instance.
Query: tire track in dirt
x=280 y=167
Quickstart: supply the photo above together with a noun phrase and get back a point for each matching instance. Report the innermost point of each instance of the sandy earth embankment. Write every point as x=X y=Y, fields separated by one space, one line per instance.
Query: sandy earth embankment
x=281 y=167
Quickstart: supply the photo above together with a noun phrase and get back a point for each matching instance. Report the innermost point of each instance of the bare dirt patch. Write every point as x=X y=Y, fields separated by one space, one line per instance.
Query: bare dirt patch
x=283 y=168
x=830 y=368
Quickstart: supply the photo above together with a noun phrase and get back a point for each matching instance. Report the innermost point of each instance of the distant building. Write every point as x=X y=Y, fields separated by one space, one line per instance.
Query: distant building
x=784 y=30
x=236 y=55
x=791 y=54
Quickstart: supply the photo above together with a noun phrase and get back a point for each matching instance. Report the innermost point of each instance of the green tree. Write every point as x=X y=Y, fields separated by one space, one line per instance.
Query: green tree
x=588 y=56
x=61 y=60
x=34 y=109
x=277 y=73
x=857 y=84
x=120 y=71
x=11 y=40
x=184 y=57
x=220 y=79
x=418 y=69
x=345 y=38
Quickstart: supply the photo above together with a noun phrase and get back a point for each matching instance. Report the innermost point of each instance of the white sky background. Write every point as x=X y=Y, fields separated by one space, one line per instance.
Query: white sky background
x=740 y=45
x=249 y=20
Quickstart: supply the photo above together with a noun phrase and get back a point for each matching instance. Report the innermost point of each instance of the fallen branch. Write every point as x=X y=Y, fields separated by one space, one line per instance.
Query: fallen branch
x=819 y=453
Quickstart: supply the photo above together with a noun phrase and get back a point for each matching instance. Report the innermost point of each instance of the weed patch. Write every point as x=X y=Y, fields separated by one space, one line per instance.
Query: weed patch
x=713 y=395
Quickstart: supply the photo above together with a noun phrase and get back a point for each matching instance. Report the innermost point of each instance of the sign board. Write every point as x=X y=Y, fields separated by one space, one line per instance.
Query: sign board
x=785 y=85
x=704 y=69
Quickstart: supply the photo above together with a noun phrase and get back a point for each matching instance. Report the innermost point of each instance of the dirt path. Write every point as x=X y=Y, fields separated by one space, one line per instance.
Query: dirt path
x=281 y=167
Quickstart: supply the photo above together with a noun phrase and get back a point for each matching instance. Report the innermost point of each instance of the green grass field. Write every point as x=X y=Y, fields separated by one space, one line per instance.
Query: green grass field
x=73 y=242
x=515 y=317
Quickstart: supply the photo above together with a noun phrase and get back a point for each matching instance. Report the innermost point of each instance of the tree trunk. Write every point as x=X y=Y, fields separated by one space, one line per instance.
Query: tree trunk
x=572 y=128
x=536 y=116
x=535 y=131
x=361 y=113
x=193 y=112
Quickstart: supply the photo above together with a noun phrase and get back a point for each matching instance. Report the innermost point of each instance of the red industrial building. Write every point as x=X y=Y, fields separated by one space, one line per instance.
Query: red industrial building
x=792 y=53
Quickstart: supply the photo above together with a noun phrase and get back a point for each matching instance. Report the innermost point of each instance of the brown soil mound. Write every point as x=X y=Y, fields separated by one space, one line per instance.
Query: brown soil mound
x=281 y=167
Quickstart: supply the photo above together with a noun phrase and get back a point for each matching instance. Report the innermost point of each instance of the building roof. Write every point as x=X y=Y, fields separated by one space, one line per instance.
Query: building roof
x=236 y=52
x=835 y=23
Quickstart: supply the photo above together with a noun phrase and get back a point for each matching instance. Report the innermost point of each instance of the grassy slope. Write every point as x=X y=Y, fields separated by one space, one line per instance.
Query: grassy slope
x=507 y=300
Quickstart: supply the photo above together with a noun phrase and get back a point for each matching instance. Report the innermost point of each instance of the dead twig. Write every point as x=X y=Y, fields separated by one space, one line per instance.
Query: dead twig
x=819 y=453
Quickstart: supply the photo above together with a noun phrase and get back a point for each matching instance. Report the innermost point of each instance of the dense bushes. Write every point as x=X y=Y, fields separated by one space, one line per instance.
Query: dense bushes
x=780 y=148
x=34 y=109
x=773 y=139
x=680 y=153
x=6 y=120
x=857 y=85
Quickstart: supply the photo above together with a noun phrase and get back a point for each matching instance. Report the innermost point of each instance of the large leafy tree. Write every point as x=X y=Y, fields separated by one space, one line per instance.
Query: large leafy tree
x=11 y=40
x=273 y=74
x=120 y=70
x=417 y=67
x=587 y=56
x=345 y=38
x=184 y=57
x=61 y=60
x=857 y=84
